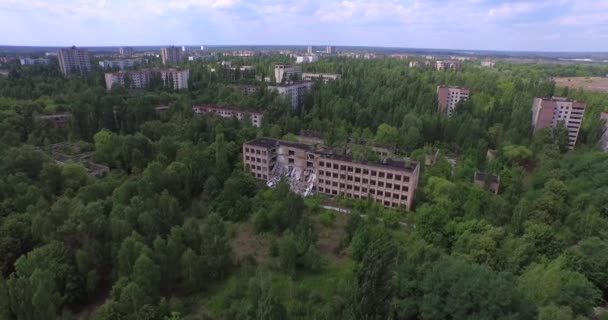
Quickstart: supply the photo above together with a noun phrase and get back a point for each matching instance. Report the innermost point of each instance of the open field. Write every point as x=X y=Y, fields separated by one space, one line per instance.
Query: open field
x=587 y=83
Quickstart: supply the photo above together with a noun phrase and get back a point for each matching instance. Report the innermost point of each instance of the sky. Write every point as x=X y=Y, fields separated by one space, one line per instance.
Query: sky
x=515 y=25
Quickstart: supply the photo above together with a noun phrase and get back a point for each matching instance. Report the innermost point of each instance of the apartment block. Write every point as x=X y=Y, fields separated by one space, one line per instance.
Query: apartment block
x=488 y=63
x=310 y=50
x=125 y=51
x=74 y=60
x=31 y=62
x=309 y=58
x=604 y=140
x=120 y=64
x=317 y=169
x=419 y=64
x=325 y=77
x=285 y=72
x=230 y=112
x=140 y=79
x=171 y=55
x=294 y=91
x=548 y=112
x=448 y=98
x=447 y=65
x=330 y=50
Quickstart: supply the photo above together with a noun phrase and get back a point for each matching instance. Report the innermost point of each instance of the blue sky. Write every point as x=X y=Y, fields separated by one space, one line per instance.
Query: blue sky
x=539 y=25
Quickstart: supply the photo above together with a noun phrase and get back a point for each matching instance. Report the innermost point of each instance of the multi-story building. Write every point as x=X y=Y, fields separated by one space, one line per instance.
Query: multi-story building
x=487 y=181
x=74 y=60
x=317 y=169
x=120 y=64
x=294 y=91
x=488 y=63
x=330 y=50
x=171 y=55
x=139 y=79
x=418 y=64
x=176 y=78
x=285 y=72
x=309 y=50
x=125 y=51
x=309 y=58
x=447 y=65
x=326 y=77
x=604 y=140
x=230 y=112
x=548 y=112
x=448 y=98
x=31 y=61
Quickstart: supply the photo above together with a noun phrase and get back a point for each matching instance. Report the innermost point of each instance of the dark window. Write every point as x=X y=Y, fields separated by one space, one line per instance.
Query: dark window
x=381 y=174
x=357 y=170
x=389 y=185
x=397 y=177
x=343 y=167
x=357 y=188
x=321 y=163
x=291 y=152
x=374 y=173
x=291 y=161
x=380 y=184
x=341 y=185
x=349 y=178
x=365 y=181
x=357 y=179
x=335 y=166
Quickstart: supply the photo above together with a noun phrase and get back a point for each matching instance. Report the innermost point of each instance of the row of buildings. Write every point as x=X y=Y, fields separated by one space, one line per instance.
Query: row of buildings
x=439 y=65
x=139 y=79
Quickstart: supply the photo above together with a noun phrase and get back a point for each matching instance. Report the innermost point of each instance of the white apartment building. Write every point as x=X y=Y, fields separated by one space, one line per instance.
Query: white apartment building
x=125 y=51
x=179 y=78
x=295 y=91
x=309 y=58
x=326 y=77
x=285 y=72
x=120 y=64
x=548 y=112
x=30 y=61
x=139 y=79
x=448 y=98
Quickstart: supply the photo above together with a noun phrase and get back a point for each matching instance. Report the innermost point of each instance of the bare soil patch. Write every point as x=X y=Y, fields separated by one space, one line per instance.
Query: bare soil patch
x=586 y=83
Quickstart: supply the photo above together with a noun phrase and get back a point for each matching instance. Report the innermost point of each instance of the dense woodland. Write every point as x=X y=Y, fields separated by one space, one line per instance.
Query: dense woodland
x=179 y=230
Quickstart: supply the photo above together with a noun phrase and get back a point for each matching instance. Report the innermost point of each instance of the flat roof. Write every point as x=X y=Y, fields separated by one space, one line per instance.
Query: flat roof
x=453 y=87
x=292 y=84
x=229 y=108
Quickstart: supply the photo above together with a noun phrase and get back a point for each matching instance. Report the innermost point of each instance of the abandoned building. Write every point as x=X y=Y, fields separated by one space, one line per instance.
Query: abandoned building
x=317 y=169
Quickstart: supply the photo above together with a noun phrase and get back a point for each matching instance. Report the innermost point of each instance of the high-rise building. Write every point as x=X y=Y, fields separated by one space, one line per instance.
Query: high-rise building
x=316 y=169
x=74 y=60
x=139 y=79
x=125 y=51
x=447 y=65
x=120 y=64
x=330 y=50
x=604 y=141
x=171 y=55
x=294 y=91
x=448 y=98
x=285 y=72
x=548 y=112
x=325 y=77
x=310 y=50
x=309 y=58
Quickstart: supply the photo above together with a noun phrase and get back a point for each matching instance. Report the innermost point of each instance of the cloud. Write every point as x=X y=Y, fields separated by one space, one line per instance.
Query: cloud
x=476 y=24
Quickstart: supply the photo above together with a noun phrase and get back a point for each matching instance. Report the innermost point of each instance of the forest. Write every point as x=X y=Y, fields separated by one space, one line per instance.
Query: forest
x=179 y=230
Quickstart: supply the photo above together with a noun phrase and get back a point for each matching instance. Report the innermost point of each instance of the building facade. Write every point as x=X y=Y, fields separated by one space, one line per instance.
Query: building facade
x=311 y=170
x=74 y=60
x=604 y=140
x=548 y=112
x=285 y=72
x=120 y=64
x=31 y=62
x=140 y=79
x=294 y=91
x=309 y=58
x=448 y=98
x=488 y=63
x=230 y=112
x=447 y=65
x=125 y=51
x=486 y=181
x=171 y=55
x=330 y=50
x=325 y=77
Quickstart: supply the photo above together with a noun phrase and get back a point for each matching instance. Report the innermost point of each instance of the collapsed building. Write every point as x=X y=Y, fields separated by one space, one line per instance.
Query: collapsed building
x=312 y=169
x=64 y=153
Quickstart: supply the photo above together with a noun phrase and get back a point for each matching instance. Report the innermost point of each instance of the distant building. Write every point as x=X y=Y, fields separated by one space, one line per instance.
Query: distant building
x=74 y=60
x=320 y=76
x=487 y=181
x=247 y=89
x=57 y=119
x=140 y=79
x=286 y=72
x=120 y=64
x=447 y=65
x=30 y=61
x=330 y=50
x=171 y=55
x=448 y=98
x=7 y=59
x=488 y=63
x=316 y=169
x=125 y=51
x=548 y=112
x=295 y=91
x=604 y=140
x=310 y=50
x=419 y=64
x=229 y=112
x=309 y=58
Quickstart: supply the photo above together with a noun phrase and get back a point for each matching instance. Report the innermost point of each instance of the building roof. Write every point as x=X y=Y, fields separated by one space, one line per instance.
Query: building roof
x=453 y=87
x=227 y=108
x=482 y=176
x=292 y=83
x=55 y=115
x=563 y=99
